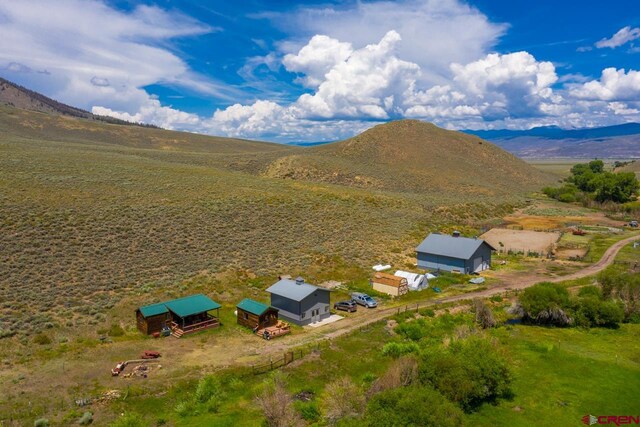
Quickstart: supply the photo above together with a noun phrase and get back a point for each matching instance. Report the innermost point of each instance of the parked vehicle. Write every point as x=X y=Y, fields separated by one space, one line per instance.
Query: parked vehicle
x=364 y=299
x=349 y=306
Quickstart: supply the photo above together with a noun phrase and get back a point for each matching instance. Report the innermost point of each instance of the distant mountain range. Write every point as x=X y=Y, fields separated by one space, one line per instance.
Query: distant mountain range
x=620 y=141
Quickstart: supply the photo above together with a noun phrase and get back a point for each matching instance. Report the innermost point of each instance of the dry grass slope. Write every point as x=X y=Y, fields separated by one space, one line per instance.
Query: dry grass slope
x=90 y=212
x=410 y=155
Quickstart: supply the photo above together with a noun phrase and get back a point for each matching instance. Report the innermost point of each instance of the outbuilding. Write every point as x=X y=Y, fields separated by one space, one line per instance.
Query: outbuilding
x=415 y=281
x=299 y=302
x=182 y=315
x=389 y=284
x=454 y=253
x=256 y=315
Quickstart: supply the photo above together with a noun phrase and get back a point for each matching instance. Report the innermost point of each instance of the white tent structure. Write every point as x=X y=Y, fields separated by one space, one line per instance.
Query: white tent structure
x=415 y=281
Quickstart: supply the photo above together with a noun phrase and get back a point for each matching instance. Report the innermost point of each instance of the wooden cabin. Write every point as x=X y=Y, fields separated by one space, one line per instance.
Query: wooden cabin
x=256 y=315
x=390 y=284
x=152 y=318
x=181 y=316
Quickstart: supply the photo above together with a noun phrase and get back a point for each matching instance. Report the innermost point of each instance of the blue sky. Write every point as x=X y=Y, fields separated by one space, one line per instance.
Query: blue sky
x=312 y=71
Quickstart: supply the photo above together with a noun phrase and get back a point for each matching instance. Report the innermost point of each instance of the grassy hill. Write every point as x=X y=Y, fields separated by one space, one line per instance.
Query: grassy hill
x=410 y=155
x=14 y=95
x=92 y=213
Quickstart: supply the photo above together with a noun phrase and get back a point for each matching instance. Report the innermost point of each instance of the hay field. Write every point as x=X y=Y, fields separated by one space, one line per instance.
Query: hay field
x=525 y=241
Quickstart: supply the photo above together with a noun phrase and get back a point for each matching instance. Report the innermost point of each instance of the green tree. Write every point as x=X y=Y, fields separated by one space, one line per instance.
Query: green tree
x=546 y=303
x=470 y=372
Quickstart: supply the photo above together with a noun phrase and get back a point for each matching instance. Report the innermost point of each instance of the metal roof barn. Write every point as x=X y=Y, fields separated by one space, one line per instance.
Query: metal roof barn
x=454 y=253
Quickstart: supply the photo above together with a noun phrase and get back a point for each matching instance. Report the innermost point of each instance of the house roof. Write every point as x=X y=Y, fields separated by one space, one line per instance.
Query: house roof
x=153 y=309
x=389 y=279
x=183 y=307
x=450 y=246
x=292 y=290
x=253 y=307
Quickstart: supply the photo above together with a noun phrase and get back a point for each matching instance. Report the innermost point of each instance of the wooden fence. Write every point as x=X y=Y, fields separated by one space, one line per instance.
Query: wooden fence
x=287 y=358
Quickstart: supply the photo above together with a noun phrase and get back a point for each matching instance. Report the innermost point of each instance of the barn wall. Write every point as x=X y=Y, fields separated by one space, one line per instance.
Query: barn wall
x=437 y=262
x=483 y=251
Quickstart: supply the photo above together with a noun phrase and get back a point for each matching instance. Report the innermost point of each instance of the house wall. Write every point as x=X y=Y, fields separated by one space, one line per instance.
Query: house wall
x=151 y=324
x=250 y=320
x=390 y=290
x=437 y=262
x=300 y=313
x=247 y=319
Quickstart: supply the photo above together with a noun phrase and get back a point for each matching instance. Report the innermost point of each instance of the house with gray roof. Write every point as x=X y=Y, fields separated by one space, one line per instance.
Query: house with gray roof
x=454 y=253
x=300 y=302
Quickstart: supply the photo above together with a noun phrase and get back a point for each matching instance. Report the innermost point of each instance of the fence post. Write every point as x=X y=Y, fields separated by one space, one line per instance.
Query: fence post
x=417 y=307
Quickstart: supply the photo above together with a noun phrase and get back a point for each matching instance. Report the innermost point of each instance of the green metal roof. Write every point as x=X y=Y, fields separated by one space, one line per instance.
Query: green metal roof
x=153 y=309
x=183 y=307
x=253 y=307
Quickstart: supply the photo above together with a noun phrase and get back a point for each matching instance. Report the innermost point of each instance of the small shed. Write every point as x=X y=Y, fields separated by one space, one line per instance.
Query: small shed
x=152 y=318
x=389 y=284
x=454 y=253
x=256 y=315
x=181 y=315
x=415 y=281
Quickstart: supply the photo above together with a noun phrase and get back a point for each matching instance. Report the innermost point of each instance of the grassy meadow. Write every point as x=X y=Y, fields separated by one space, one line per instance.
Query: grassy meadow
x=541 y=360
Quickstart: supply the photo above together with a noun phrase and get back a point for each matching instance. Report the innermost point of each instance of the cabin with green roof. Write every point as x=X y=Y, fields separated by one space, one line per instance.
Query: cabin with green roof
x=181 y=316
x=256 y=315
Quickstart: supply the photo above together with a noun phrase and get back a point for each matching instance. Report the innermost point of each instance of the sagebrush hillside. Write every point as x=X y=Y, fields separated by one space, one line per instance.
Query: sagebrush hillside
x=92 y=213
x=410 y=155
x=14 y=95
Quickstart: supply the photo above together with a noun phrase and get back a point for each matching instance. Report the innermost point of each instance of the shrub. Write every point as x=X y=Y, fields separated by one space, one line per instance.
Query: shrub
x=42 y=339
x=397 y=349
x=590 y=291
x=401 y=373
x=484 y=315
x=342 y=399
x=412 y=406
x=546 y=303
x=208 y=388
x=277 y=405
x=469 y=372
x=41 y=422
x=309 y=411
x=414 y=331
x=185 y=408
x=115 y=331
x=86 y=419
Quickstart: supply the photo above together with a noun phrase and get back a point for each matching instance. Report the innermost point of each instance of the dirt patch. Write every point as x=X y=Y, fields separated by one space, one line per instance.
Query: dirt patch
x=521 y=240
x=571 y=253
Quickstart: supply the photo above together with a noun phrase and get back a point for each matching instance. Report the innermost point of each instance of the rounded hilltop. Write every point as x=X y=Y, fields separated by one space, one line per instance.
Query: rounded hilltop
x=411 y=155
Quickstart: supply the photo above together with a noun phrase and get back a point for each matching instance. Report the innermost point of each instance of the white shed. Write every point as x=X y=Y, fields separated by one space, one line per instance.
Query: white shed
x=415 y=281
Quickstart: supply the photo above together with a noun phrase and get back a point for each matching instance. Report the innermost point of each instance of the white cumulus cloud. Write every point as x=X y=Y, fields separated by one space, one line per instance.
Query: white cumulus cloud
x=315 y=59
x=622 y=37
x=613 y=85
x=91 y=54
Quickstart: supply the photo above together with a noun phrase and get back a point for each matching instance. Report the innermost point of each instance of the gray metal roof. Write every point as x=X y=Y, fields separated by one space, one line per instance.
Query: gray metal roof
x=290 y=289
x=454 y=247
